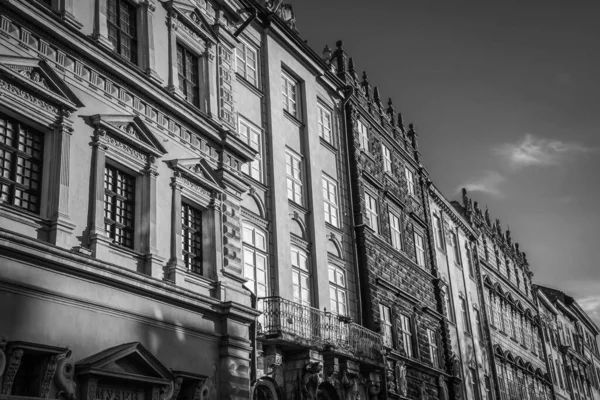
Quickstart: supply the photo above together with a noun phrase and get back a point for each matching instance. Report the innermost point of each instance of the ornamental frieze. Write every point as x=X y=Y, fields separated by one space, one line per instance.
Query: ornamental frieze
x=10 y=88
x=126 y=148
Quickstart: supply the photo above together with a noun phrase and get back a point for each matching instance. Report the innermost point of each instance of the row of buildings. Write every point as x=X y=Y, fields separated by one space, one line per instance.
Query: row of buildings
x=197 y=206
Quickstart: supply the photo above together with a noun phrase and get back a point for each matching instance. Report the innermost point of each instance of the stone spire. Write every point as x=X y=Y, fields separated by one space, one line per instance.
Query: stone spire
x=412 y=134
x=391 y=112
x=508 y=237
x=365 y=85
x=400 y=122
x=327 y=54
x=488 y=221
x=351 y=69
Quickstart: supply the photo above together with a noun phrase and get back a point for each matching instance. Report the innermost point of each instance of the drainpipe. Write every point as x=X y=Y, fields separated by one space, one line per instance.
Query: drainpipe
x=347 y=96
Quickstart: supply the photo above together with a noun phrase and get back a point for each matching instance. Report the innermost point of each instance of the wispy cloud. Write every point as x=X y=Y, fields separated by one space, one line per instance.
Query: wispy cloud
x=533 y=151
x=591 y=305
x=489 y=183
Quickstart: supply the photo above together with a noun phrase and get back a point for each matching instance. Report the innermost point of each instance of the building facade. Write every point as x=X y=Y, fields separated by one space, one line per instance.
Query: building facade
x=194 y=205
x=454 y=239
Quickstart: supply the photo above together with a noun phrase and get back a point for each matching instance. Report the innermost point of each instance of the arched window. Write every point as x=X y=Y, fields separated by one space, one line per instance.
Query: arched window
x=255 y=260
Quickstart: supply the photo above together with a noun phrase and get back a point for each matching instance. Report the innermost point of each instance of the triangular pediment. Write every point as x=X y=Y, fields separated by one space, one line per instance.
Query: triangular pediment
x=131 y=360
x=36 y=75
x=192 y=15
x=131 y=129
x=198 y=170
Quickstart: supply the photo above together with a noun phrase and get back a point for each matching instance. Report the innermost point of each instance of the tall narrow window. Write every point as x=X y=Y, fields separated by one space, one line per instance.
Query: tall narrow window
x=474 y=383
x=122 y=28
x=191 y=237
x=252 y=136
x=470 y=261
x=502 y=382
x=294 y=177
x=488 y=388
x=187 y=72
x=419 y=249
x=395 y=231
x=405 y=334
x=385 y=318
x=448 y=306
x=465 y=314
x=496 y=312
x=387 y=158
x=289 y=89
x=433 y=348
x=372 y=214
x=119 y=205
x=324 y=122
x=478 y=324
x=255 y=259
x=337 y=290
x=363 y=136
x=439 y=233
x=21 y=151
x=330 y=201
x=300 y=277
x=410 y=181
x=456 y=248
x=246 y=61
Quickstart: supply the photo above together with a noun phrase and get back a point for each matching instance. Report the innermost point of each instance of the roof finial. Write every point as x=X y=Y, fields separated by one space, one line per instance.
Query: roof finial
x=327 y=54
x=487 y=216
x=390 y=111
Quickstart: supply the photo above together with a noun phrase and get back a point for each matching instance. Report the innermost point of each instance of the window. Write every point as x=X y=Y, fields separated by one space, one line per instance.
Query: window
x=419 y=249
x=470 y=261
x=191 y=238
x=474 y=383
x=337 y=290
x=465 y=314
x=488 y=388
x=387 y=158
x=246 y=62
x=324 y=121
x=294 y=177
x=448 y=306
x=496 y=312
x=395 y=231
x=330 y=200
x=363 y=136
x=21 y=150
x=433 y=348
x=122 y=28
x=119 y=205
x=456 y=248
x=410 y=181
x=501 y=382
x=300 y=277
x=439 y=233
x=371 y=206
x=405 y=334
x=385 y=318
x=255 y=259
x=252 y=136
x=187 y=72
x=289 y=88
x=478 y=324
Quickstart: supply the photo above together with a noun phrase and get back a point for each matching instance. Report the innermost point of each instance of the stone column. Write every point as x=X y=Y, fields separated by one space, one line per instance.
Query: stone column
x=212 y=76
x=146 y=34
x=96 y=223
x=101 y=24
x=173 y=85
x=211 y=239
x=61 y=226
x=153 y=262
x=175 y=261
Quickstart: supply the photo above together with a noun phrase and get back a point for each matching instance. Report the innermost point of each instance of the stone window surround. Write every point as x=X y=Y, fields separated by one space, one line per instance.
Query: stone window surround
x=254 y=48
x=65 y=8
x=145 y=32
x=55 y=124
x=205 y=196
x=110 y=146
x=260 y=156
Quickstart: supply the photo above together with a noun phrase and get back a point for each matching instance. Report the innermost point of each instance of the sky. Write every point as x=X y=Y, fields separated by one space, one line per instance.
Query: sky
x=505 y=96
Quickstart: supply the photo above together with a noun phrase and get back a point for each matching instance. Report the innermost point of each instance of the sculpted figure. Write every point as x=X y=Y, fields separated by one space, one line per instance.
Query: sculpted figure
x=401 y=378
x=443 y=388
x=63 y=378
x=311 y=380
x=2 y=357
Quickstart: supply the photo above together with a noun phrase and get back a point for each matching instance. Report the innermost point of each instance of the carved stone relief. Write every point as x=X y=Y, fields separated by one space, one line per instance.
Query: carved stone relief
x=2 y=357
x=48 y=376
x=14 y=362
x=311 y=379
x=401 y=382
x=63 y=378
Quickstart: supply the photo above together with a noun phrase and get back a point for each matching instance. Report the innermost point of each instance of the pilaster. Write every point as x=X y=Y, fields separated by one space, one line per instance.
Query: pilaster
x=101 y=24
x=146 y=27
x=96 y=224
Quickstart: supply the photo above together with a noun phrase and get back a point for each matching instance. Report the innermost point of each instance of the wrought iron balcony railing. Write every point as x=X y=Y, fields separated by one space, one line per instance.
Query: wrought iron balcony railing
x=299 y=323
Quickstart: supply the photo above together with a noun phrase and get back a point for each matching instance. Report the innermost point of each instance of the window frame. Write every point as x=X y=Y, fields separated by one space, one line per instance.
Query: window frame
x=290 y=89
x=465 y=314
x=410 y=181
x=455 y=240
x=386 y=158
x=300 y=272
x=395 y=231
x=296 y=181
x=406 y=334
x=386 y=326
x=183 y=72
x=438 y=232
x=322 y=111
x=363 y=135
x=328 y=203
x=257 y=164
x=115 y=223
x=420 y=250
x=372 y=214
x=338 y=288
x=247 y=46
x=134 y=37
x=251 y=247
x=432 y=341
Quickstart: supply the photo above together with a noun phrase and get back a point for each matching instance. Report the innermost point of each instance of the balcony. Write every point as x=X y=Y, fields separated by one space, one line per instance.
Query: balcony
x=307 y=326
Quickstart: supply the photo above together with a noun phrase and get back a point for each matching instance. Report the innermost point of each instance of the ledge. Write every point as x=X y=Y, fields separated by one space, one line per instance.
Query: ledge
x=397 y=291
x=249 y=85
